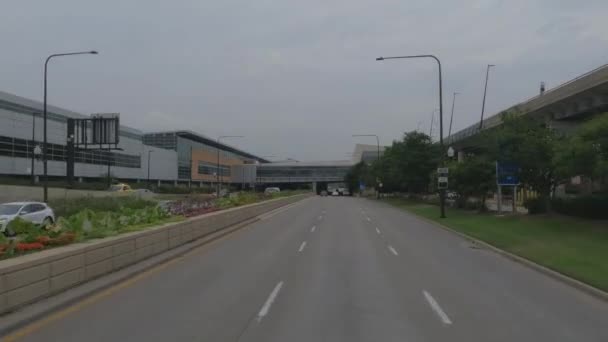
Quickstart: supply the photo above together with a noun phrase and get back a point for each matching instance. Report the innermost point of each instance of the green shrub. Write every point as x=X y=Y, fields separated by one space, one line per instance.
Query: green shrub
x=68 y=207
x=27 y=230
x=592 y=207
x=536 y=205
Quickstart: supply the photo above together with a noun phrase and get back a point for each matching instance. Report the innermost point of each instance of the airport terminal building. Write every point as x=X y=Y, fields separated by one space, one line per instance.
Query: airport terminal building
x=178 y=157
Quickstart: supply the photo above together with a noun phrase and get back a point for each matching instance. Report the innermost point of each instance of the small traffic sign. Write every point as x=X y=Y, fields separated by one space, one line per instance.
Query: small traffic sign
x=442 y=170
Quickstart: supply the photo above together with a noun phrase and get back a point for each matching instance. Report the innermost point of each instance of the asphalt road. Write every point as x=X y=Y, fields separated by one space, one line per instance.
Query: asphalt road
x=337 y=269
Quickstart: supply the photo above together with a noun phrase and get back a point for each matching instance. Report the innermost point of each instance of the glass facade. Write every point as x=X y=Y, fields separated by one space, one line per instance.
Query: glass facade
x=205 y=168
x=22 y=148
x=183 y=145
x=320 y=172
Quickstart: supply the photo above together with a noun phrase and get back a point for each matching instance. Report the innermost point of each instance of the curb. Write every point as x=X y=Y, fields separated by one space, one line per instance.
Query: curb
x=590 y=290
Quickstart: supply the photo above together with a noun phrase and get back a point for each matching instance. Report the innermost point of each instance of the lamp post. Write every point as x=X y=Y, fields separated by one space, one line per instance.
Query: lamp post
x=485 y=90
x=44 y=144
x=149 y=157
x=377 y=157
x=452 y=116
x=441 y=192
x=219 y=178
x=432 y=123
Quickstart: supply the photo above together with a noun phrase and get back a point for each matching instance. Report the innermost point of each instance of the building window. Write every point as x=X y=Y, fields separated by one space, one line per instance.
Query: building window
x=206 y=168
x=21 y=148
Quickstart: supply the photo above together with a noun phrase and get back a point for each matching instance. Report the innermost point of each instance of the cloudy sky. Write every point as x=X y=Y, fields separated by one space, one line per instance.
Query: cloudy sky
x=297 y=78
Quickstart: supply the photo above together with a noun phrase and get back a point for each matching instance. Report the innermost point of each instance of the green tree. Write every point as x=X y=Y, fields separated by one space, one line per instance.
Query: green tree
x=529 y=144
x=472 y=178
x=586 y=152
x=407 y=164
x=361 y=172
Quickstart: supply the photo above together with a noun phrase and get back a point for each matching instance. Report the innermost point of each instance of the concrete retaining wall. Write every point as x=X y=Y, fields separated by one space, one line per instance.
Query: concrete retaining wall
x=26 y=279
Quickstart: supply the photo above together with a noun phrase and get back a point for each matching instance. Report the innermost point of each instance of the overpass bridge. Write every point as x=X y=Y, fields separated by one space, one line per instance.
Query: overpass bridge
x=563 y=107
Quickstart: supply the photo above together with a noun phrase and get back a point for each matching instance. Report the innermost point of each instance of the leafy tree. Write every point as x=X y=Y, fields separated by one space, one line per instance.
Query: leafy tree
x=586 y=152
x=529 y=144
x=361 y=172
x=472 y=178
x=407 y=164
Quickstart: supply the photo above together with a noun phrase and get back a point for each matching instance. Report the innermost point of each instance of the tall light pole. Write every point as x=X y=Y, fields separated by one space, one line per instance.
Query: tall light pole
x=44 y=144
x=441 y=192
x=485 y=91
x=377 y=158
x=432 y=123
x=149 y=157
x=452 y=116
x=218 y=179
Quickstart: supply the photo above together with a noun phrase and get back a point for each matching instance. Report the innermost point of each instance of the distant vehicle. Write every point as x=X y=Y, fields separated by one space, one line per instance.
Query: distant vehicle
x=120 y=187
x=335 y=193
x=341 y=191
x=323 y=193
x=271 y=190
x=451 y=195
x=36 y=212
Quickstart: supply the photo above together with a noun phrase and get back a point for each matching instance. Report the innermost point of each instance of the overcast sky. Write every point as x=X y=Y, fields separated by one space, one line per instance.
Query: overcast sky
x=297 y=78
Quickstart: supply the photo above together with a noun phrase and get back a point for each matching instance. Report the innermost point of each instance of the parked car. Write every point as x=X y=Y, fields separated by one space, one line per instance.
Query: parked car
x=271 y=190
x=120 y=187
x=335 y=193
x=36 y=212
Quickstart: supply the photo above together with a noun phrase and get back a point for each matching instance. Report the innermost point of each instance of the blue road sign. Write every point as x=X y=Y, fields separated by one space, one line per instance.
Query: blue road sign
x=507 y=173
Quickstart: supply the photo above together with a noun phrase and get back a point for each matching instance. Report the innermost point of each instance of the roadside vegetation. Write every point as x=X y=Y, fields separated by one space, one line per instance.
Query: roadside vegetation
x=89 y=218
x=573 y=247
x=567 y=233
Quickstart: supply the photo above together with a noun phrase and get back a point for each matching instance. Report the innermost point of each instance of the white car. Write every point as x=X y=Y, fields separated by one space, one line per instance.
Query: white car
x=36 y=212
x=335 y=193
x=271 y=190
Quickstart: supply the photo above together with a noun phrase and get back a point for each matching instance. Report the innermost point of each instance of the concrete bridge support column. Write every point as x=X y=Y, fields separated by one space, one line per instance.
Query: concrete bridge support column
x=460 y=156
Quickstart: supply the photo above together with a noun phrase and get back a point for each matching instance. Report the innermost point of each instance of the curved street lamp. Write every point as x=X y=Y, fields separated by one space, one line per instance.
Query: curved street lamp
x=442 y=191
x=44 y=143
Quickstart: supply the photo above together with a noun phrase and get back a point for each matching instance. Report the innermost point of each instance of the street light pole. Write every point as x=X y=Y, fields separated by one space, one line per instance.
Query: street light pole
x=377 y=157
x=452 y=116
x=441 y=192
x=149 y=156
x=218 y=178
x=485 y=90
x=44 y=144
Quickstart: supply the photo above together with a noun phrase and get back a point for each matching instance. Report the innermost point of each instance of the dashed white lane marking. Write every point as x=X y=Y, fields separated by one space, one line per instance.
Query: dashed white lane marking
x=302 y=247
x=266 y=307
x=435 y=306
x=323 y=212
x=312 y=230
x=377 y=230
x=320 y=217
x=369 y=220
x=394 y=251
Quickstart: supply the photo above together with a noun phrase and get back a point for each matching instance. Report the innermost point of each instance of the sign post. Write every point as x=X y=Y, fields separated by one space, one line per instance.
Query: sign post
x=507 y=174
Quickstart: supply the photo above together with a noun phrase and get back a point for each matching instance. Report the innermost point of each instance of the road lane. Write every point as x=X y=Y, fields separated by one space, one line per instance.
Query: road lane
x=211 y=295
x=324 y=271
x=489 y=297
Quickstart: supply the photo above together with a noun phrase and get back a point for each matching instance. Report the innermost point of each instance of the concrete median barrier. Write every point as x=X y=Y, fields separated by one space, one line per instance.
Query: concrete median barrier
x=26 y=279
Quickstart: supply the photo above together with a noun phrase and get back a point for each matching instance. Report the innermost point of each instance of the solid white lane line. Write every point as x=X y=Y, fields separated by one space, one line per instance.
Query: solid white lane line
x=377 y=230
x=302 y=247
x=312 y=230
x=266 y=307
x=390 y=248
x=435 y=306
